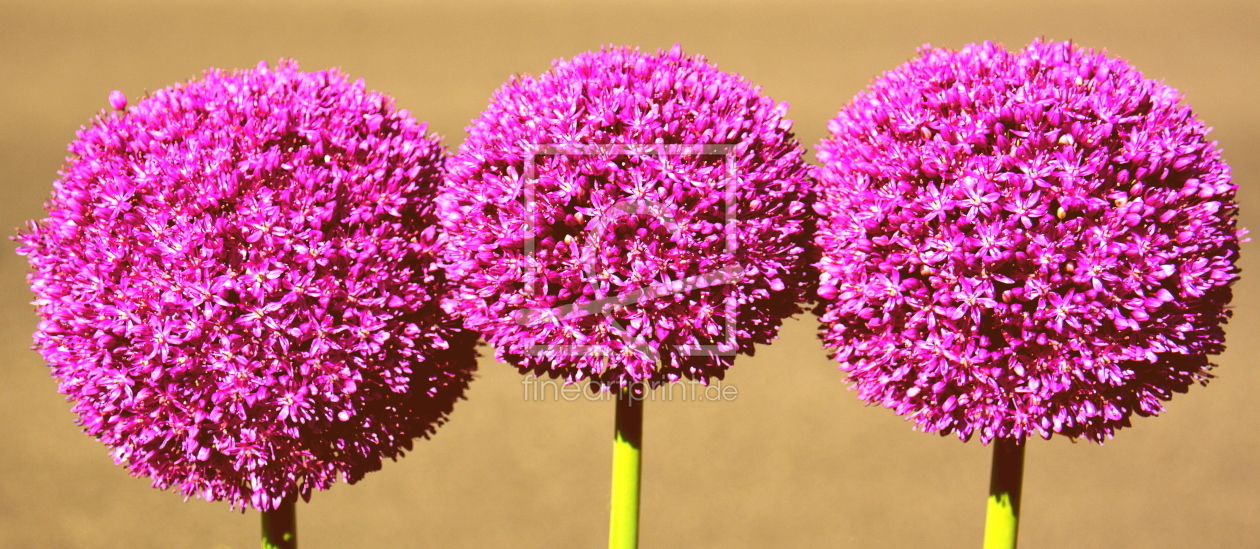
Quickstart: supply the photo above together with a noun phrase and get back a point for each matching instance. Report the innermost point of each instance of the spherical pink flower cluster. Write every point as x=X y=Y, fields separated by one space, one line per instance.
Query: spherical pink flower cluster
x=1017 y=243
x=237 y=288
x=626 y=208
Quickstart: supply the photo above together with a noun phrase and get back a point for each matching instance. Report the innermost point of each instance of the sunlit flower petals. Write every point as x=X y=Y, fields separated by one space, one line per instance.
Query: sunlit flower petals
x=237 y=287
x=632 y=268
x=1064 y=225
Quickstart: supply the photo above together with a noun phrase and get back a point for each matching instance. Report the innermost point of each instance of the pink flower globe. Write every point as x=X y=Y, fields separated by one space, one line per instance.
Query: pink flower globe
x=627 y=218
x=1012 y=243
x=237 y=289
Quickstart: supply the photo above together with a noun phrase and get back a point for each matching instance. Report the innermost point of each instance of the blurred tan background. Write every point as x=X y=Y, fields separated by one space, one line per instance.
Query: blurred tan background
x=795 y=460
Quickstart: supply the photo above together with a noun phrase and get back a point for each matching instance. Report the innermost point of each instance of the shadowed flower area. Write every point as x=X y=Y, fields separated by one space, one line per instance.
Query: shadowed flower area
x=659 y=256
x=1015 y=243
x=237 y=289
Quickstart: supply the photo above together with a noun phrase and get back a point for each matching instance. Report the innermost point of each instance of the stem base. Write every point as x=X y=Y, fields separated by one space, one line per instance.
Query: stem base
x=279 y=526
x=1001 y=524
x=623 y=524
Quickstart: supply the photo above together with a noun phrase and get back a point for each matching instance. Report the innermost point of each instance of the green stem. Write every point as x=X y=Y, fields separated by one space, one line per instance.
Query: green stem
x=279 y=526
x=623 y=524
x=1001 y=525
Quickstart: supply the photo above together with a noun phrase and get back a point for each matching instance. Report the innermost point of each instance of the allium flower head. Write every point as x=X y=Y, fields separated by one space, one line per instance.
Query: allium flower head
x=1016 y=243
x=236 y=284
x=625 y=208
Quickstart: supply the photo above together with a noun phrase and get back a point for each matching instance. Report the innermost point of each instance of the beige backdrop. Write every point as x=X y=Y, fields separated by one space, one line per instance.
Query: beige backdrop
x=795 y=460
